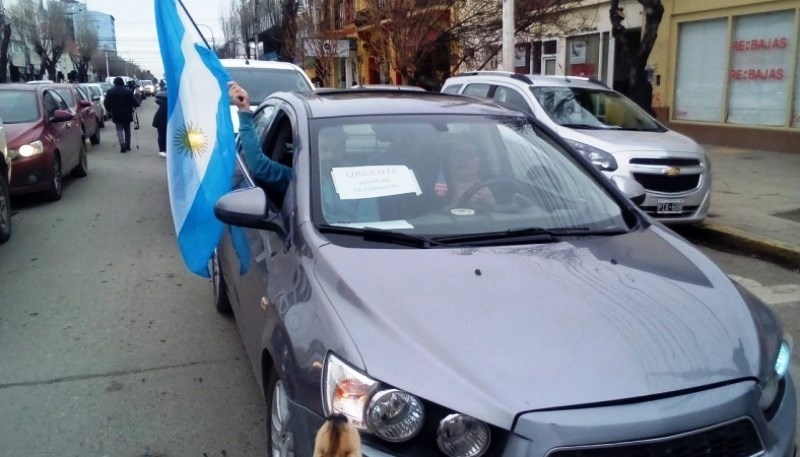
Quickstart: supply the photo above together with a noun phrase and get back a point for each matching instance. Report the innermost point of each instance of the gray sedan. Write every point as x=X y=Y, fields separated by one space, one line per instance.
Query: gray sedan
x=457 y=281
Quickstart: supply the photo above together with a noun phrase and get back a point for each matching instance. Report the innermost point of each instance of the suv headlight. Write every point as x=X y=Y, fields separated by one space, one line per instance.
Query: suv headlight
x=392 y=415
x=31 y=149
x=770 y=388
x=599 y=158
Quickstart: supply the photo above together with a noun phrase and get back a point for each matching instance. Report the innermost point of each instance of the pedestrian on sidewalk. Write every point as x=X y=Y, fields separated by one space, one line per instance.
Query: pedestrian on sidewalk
x=121 y=103
x=160 y=122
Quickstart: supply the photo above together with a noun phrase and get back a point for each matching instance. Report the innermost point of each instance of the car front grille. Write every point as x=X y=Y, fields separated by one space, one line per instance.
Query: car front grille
x=734 y=439
x=667 y=184
x=666 y=162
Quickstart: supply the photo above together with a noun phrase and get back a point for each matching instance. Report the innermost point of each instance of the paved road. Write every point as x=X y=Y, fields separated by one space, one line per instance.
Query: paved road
x=108 y=347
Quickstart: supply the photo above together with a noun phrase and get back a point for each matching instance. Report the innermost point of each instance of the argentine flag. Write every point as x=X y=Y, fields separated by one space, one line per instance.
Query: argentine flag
x=200 y=141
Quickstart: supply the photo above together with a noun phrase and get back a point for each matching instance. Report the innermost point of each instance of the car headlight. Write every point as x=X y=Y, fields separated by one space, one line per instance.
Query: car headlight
x=599 y=158
x=460 y=435
x=31 y=149
x=769 y=389
x=390 y=414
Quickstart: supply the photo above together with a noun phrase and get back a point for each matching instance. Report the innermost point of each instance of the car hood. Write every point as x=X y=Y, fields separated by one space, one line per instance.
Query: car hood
x=626 y=140
x=23 y=133
x=493 y=332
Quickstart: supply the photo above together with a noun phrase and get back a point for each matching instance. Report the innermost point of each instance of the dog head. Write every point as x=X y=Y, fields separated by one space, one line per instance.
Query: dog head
x=337 y=438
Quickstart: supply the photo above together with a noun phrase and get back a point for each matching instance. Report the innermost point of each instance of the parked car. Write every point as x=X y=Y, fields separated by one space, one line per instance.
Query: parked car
x=93 y=93
x=5 y=178
x=87 y=116
x=261 y=78
x=554 y=319
x=620 y=138
x=105 y=86
x=148 y=87
x=44 y=138
x=96 y=90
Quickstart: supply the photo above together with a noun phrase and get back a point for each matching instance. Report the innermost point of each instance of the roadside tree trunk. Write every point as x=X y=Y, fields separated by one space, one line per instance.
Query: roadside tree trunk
x=4 y=49
x=639 y=87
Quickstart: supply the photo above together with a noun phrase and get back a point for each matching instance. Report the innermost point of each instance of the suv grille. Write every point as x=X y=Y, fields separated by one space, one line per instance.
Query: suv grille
x=734 y=439
x=667 y=162
x=667 y=184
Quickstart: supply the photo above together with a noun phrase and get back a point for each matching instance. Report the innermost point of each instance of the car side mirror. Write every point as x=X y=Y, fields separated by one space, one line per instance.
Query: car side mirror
x=96 y=98
x=246 y=208
x=61 y=115
x=84 y=103
x=631 y=188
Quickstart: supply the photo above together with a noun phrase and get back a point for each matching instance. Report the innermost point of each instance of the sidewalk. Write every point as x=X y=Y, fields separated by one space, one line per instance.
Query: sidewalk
x=755 y=203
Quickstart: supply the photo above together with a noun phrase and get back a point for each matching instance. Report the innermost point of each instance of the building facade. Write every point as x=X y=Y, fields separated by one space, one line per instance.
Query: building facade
x=104 y=26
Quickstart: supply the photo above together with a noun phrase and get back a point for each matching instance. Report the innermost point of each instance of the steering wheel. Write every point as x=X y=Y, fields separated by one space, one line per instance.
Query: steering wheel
x=519 y=200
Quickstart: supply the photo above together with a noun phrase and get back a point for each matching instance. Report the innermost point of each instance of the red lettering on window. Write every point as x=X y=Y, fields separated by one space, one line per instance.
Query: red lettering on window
x=779 y=73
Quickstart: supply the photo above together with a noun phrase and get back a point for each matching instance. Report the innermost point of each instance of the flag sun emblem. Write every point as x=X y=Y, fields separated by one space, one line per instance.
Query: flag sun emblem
x=192 y=140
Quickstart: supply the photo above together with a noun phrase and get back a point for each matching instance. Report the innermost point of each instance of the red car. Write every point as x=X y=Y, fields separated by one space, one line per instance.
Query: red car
x=44 y=138
x=90 y=125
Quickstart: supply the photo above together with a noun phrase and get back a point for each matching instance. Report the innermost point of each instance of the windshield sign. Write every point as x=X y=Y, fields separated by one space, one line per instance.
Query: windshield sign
x=582 y=108
x=452 y=175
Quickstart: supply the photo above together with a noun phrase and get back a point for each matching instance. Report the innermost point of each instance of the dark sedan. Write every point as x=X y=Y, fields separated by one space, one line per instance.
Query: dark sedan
x=456 y=280
x=83 y=106
x=44 y=137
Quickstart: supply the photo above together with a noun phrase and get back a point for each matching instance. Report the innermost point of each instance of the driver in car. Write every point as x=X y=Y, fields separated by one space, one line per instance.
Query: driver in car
x=460 y=176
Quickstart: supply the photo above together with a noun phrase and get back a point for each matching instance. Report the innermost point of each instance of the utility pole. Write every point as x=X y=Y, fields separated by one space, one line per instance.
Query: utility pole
x=107 y=74
x=508 y=35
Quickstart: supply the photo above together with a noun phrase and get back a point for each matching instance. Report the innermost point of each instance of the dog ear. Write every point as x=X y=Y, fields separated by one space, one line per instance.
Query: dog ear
x=337 y=438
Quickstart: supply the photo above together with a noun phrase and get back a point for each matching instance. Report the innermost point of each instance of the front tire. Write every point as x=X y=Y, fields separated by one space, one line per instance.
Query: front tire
x=221 y=301
x=95 y=139
x=56 y=183
x=83 y=164
x=5 y=210
x=280 y=440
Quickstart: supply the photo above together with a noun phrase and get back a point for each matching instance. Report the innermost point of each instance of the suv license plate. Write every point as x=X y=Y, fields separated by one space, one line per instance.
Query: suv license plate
x=669 y=207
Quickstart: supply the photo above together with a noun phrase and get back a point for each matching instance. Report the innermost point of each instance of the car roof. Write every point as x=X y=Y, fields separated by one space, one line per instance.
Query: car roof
x=244 y=63
x=22 y=87
x=527 y=80
x=377 y=102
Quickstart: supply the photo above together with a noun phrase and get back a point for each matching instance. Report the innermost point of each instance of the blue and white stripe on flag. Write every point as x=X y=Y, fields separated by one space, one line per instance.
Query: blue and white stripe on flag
x=200 y=141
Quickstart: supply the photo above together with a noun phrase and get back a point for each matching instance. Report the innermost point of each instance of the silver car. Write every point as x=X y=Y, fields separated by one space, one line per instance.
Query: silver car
x=611 y=131
x=456 y=280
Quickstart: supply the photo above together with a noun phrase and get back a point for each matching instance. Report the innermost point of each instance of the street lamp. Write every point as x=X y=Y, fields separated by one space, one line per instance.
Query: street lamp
x=213 y=41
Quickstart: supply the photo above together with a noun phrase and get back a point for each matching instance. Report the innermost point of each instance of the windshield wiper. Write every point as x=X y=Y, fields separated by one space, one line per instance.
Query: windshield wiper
x=584 y=126
x=384 y=236
x=531 y=235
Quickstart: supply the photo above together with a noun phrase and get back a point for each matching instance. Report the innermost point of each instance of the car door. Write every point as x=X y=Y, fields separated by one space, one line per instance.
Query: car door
x=67 y=134
x=513 y=98
x=88 y=114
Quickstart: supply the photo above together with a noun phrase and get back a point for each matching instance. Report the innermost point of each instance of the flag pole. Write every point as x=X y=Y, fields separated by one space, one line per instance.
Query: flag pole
x=180 y=2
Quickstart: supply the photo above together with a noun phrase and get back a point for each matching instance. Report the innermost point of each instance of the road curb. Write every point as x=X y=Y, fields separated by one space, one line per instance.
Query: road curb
x=742 y=241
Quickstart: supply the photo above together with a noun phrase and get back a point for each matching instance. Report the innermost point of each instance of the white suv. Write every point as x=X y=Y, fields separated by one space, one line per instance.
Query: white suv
x=261 y=78
x=611 y=131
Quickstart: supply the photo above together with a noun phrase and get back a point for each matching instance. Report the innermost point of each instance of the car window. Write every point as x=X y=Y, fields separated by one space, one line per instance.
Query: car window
x=262 y=82
x=451 y=175
x=477 y=90
x=67 y=95
x=452 y=89
x=513 y=98
x=18 y=106
x=261 y=120
x=585 y=108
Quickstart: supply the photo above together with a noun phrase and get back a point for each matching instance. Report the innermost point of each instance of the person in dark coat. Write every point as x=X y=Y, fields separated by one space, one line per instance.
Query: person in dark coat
x=160 y=122
x=120 y=102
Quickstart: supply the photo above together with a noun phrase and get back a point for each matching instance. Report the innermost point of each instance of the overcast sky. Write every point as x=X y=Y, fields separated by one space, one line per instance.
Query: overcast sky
x=136 y=27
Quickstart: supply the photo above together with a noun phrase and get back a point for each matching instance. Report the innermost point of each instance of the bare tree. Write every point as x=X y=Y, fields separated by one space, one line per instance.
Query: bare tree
x=640 y=88
x=320 y=37
x=230 y=21
x=5 y=30
x=83 y=47
x=47 y=30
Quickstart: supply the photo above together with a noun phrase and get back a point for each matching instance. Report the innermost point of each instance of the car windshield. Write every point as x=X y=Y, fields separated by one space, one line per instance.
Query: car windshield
x=66 y=94
x=18 y=106
x=262 y=82
x=452 y=175
x=585 y=108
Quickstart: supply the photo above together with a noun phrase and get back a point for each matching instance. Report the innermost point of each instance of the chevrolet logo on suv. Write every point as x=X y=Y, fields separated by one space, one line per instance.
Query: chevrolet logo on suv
x=671 y=171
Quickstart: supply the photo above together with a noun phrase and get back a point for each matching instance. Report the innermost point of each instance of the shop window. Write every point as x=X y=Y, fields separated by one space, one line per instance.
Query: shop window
x=759 y=76
x=583 y=56
x=701 y=68
x=543 y=56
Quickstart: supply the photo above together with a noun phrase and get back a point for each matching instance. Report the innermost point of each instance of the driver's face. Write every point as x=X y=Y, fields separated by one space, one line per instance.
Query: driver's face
x=463 y=163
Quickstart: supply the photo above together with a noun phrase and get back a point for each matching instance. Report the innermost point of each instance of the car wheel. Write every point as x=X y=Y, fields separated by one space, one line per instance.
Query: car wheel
x=221 y=300
x=5 y=210
x=95 y=139
x=279 y=436
x=83 y=163
x=101 y=122
x=54 y=193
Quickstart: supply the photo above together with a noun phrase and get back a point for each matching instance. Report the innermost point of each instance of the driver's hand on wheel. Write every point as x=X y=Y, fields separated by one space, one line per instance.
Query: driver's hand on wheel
x=483 y=198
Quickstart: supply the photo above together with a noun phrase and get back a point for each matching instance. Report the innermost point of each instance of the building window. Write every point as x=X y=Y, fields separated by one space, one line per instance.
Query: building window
x=699 y=92
x=583 y=56
x=760 y=67
x=544 y=57
x=757 y=61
